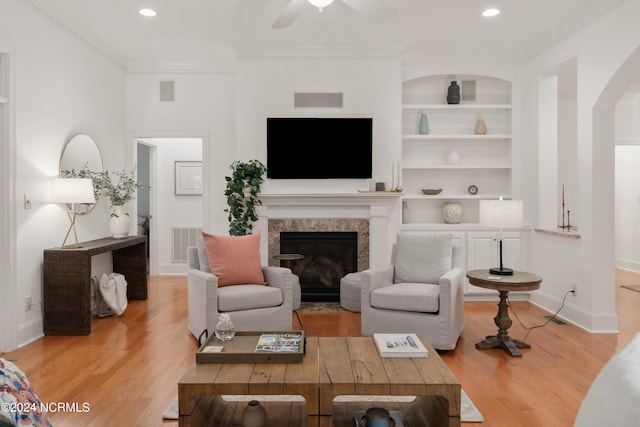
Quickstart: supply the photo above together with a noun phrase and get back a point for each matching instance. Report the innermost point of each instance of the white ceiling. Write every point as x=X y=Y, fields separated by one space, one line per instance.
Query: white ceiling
x=197 y=31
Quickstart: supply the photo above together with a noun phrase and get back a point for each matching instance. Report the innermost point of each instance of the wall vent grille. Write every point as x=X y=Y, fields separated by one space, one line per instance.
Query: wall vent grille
x=318 y=100
x=181 y=238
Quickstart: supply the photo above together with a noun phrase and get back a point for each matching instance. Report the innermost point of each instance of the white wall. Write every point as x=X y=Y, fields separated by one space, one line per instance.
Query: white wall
x=627 y=134
x=62 y=87
x=204 y=107
x=173 y=210
x=370 y=87
x=628 y=207
x=233 y=122
x=606 y=58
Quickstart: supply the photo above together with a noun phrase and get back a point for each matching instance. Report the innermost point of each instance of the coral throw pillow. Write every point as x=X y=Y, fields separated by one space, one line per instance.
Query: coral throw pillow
x=235 y=260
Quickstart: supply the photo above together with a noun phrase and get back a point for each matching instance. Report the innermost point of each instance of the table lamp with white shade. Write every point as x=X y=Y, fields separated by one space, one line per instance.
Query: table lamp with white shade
x=501 y=214
x=72 y=191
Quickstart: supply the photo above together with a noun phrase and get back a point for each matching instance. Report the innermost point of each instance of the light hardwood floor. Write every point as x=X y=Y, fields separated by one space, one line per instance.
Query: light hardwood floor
x=128 y=368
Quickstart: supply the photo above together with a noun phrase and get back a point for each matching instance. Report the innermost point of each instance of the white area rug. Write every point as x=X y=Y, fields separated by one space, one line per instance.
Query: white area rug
x=470 y=413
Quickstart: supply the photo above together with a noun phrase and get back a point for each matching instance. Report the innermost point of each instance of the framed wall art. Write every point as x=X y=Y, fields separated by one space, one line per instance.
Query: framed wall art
x=188 y=178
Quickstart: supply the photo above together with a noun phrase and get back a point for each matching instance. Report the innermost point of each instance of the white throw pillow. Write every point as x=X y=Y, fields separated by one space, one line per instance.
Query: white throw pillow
x=614 y=396
x=422 y=258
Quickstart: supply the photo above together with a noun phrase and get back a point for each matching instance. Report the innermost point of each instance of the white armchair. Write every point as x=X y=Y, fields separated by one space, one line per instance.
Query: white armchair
x=421 y=292
x=252 y=307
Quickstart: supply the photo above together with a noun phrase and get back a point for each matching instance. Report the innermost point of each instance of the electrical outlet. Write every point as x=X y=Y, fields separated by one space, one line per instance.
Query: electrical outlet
x=27 y=303
x=574 y=290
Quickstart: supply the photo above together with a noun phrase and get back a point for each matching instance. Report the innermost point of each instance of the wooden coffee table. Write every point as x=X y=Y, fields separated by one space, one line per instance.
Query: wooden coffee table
x=331 y=367
x=352 y=366
x=201 y=386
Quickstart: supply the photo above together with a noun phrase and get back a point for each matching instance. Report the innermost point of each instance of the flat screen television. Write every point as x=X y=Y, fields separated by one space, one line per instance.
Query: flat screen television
x=319 y=148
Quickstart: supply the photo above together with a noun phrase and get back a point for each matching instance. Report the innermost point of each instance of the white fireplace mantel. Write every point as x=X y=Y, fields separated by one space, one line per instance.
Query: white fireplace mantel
x=382 y=208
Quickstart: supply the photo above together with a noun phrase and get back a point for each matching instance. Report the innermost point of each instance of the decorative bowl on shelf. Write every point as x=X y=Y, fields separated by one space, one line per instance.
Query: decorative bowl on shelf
x=431 y=191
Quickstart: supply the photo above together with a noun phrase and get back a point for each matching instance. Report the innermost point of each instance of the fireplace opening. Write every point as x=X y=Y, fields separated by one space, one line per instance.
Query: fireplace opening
x=328 y=257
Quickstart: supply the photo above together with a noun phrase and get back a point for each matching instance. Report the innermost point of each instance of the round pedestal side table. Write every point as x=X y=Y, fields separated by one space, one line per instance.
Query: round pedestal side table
x=288 y=258
x=519 y=281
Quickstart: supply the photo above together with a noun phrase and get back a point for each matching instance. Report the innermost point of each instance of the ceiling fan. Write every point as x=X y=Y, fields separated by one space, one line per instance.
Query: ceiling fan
x=379 y=10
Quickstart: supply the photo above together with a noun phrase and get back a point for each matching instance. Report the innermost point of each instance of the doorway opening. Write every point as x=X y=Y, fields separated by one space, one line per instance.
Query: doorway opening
x=163 y=206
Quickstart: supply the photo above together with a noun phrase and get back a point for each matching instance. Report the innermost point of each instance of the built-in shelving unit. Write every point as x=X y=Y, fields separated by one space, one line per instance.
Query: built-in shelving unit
x=484 y=160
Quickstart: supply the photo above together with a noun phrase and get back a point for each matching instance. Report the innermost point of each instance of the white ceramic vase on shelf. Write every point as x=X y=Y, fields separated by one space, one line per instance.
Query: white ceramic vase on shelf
x=119 y=222
x=452 y=212
x=452 y=158
x=254 y=415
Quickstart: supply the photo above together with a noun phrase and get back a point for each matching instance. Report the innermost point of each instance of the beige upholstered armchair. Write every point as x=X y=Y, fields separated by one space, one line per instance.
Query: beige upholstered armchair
x=421 y=292
x=252 y=307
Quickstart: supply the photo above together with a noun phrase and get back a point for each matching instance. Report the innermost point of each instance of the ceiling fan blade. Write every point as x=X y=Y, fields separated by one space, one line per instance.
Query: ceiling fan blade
x=379 y=10
x=290 y=13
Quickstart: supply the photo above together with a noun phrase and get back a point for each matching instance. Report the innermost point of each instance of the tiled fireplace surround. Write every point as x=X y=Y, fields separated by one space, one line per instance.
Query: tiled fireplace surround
x=374 y=216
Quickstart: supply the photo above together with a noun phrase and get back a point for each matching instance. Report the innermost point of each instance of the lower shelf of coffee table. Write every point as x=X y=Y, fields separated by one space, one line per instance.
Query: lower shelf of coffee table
x=426 y=411
x=215 y=411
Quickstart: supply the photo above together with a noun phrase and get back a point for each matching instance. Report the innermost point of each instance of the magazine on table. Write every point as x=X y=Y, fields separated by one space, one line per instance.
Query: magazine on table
x=400 y=345
x=280 y=342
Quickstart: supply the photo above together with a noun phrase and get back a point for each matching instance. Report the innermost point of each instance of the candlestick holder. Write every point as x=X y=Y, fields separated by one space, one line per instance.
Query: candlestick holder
x=566 y=227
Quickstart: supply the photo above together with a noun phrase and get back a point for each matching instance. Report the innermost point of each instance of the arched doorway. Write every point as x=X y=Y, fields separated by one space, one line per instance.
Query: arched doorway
x=603 y=147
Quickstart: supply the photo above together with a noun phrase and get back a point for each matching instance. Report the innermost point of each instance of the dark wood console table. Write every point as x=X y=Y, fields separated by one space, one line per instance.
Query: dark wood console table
x=67 y=281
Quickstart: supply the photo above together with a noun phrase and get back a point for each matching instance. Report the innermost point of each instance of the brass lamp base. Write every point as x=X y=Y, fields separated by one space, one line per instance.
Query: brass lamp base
x=72 y=227
x=72 y=246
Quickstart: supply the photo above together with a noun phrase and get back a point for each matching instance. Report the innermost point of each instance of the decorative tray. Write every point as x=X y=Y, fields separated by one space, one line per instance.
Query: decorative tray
x=254 y=347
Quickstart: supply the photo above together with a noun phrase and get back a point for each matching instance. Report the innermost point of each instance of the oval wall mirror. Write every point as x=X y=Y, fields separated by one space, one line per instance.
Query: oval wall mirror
x=81 y=157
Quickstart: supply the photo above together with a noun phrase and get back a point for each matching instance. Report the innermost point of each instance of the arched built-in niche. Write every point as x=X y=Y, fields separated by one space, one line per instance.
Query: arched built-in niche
x=557 y=147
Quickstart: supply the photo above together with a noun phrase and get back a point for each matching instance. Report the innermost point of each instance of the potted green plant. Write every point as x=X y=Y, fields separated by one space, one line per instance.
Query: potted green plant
x=242 y=191
x=120 y=187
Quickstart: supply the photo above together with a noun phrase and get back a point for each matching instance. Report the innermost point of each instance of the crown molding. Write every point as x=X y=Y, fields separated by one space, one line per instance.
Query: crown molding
x=219 y=66
x=247 y=51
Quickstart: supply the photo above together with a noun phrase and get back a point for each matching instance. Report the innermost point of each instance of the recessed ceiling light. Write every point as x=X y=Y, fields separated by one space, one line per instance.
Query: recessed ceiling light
x=491 y=12
x=147 y=12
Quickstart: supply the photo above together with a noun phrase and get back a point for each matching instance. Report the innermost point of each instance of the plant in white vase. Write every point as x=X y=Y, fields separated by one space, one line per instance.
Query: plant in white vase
x=120 y=188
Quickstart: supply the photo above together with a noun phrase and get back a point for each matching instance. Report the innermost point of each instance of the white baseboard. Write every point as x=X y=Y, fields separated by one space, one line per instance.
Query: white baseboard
x=628 y=264
x=591 y=322
x=172 y=270
x=30 y=331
